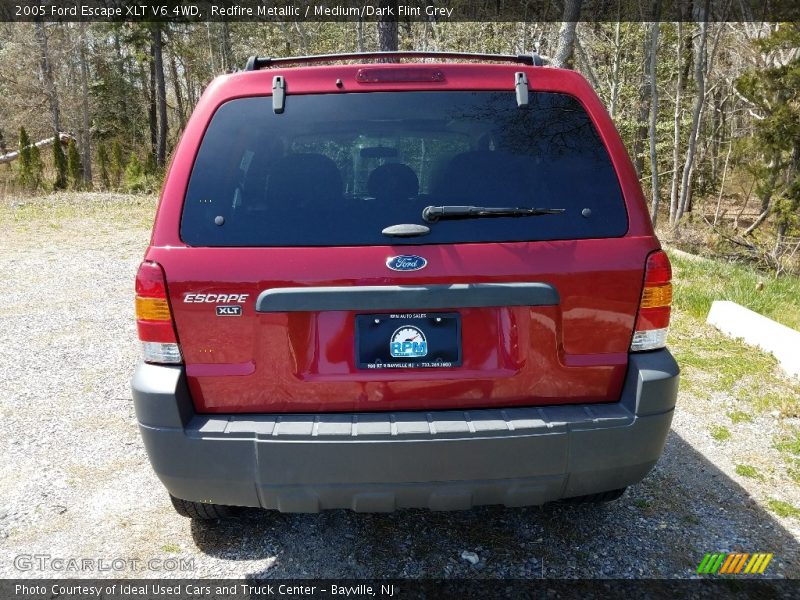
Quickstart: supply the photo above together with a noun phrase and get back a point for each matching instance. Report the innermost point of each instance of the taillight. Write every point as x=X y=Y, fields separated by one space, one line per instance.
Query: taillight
x=153 y=316
x=652 y=322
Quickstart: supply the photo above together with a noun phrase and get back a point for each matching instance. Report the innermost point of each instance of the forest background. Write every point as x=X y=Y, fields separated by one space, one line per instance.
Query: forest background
x=709 y=110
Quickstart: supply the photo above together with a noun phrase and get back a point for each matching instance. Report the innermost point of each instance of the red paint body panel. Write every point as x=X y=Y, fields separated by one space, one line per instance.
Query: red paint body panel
x=575 y=352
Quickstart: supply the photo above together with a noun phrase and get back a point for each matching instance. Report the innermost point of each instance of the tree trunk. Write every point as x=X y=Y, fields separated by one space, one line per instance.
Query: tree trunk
x=700 y=79
x=724 y=176
x=615 y=71
x=301 y=30
x=643 y=112
x=586 y=65
x=761 y=218
x=161 y=95
x=777 y=168
x=211 y=47
x=47 y=77
x=120 y=66
x=654 y=113
x=387 y=28
x=228 y=65
x=176 y=85
x=87 y=134
x=566 y=34
x=152 y=114
x=8 y=157
x=676 y=139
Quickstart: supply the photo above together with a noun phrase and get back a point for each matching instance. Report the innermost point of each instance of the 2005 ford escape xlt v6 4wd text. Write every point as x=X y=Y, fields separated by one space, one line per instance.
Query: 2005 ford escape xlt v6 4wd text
x=385 y=285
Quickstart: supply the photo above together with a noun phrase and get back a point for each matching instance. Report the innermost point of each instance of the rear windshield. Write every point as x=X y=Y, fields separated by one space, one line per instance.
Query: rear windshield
x=336 y=169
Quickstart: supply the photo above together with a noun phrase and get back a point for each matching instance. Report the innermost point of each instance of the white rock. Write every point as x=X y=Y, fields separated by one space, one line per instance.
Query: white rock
x=470 y=557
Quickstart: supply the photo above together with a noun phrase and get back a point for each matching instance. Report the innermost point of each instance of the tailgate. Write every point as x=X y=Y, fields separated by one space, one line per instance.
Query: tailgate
x=530 y=324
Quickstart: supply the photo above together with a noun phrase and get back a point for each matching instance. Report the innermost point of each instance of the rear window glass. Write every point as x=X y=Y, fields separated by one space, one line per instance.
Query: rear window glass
x=336 y=169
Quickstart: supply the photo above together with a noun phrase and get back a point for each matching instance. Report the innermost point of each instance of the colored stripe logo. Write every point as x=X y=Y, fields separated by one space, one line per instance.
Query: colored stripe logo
x=734 y=563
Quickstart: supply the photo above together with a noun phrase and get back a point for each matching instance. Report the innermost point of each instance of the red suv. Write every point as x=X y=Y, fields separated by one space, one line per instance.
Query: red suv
x=410 y=284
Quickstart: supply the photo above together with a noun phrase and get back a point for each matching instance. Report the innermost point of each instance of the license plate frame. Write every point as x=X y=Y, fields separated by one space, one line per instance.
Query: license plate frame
x=377 y=336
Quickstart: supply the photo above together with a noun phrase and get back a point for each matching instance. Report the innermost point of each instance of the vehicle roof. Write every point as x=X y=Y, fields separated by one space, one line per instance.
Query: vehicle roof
x=457 y=76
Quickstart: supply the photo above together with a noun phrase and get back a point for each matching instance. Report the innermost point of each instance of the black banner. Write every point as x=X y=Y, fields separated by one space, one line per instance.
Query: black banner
x=244 y=589
x=401 y=10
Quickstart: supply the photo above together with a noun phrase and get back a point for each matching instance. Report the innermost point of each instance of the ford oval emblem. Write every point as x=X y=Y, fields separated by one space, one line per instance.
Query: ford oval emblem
x=406 y=262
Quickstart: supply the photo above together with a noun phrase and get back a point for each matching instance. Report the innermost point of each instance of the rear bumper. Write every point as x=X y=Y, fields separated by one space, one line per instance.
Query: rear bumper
x=375 y=462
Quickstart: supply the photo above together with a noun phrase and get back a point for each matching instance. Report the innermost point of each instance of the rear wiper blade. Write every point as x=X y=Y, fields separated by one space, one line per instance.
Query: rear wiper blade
x=431 y=214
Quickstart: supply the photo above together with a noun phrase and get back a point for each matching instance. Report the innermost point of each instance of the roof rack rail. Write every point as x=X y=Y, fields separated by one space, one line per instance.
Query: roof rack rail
x=254 y=63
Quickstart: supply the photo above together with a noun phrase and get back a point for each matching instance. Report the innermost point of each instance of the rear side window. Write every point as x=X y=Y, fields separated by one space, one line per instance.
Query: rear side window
x=336 y=169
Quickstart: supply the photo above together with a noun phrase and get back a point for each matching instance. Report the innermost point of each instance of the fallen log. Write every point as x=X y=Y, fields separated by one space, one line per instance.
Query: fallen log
x=64 y=138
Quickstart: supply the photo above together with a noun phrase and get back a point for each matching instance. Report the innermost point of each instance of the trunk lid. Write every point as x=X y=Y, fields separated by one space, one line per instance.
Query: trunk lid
x=573 y=351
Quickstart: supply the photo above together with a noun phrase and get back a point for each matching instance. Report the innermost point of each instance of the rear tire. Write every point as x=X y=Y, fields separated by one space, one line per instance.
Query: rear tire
x=599 y=498
x=200 y=510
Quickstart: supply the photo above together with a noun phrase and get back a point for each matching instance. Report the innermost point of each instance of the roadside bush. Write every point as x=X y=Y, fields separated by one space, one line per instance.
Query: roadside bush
x=137 y=180
x=116 y=167
x=74 y=166
x=102 y=165
x=30 y=163
x=59 y=165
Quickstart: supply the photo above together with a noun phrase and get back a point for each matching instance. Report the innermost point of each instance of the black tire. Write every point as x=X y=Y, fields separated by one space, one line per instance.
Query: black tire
x=599 y=498
x=200 y=510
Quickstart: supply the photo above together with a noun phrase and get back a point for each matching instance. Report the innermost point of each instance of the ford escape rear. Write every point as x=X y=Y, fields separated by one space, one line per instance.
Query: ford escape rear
x=377 y=286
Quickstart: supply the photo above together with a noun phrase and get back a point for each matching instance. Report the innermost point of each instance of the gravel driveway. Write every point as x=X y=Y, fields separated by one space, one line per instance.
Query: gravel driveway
x=75 y=481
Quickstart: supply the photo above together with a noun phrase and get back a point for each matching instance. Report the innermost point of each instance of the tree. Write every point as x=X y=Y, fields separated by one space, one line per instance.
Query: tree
x=74 y=166
x=176 y=85
x=566 y=34
x=133 y=170
x=30 y=165
x=161 y=95
x=86 y=136
x=47 y=77
x=774 y=92
x=60 y=166
x=117 y=166
x=152 y=101
x=654 y=114
x=700 y=81
x=102 y=164
x=387 y=27
x=676 y=148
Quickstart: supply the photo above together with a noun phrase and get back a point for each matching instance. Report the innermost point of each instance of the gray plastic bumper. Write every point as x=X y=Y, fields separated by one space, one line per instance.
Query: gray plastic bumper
x=372 y=462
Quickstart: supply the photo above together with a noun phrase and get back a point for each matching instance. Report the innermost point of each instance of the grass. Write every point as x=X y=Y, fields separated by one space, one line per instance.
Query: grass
x=713 y=363
x=748 y=471
x=783 y=509
x=704 y=348
x=789 y=444
x=794 y=474
x=720 y=433
x=738 y=416
x=56 y=209
x=699 y=282
x=172 y=548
